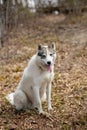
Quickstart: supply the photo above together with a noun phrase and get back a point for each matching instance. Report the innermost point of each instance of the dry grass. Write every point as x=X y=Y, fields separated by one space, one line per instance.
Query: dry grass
x=69 y=92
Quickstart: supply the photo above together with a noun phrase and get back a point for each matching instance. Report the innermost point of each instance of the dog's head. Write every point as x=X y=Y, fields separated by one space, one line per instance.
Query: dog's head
x=46 y=55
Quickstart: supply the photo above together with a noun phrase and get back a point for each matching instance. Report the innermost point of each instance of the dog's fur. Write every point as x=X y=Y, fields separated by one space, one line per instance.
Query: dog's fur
x=36 y=81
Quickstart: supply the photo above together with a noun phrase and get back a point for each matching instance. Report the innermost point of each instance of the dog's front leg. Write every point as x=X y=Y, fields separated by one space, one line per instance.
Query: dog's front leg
x=37 y=100
x=48 y=92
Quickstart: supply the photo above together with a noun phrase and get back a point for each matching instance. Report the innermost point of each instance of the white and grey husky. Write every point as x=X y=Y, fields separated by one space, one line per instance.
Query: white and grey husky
x=35 y=84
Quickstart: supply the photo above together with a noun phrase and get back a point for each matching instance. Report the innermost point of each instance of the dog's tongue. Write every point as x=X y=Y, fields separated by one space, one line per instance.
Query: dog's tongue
x=49 y=68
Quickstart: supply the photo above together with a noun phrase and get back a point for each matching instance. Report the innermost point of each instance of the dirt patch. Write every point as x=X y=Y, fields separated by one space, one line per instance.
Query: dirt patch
x=53 y=18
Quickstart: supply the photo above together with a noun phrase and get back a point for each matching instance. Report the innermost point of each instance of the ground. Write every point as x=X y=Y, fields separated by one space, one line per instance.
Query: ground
x=69 y=88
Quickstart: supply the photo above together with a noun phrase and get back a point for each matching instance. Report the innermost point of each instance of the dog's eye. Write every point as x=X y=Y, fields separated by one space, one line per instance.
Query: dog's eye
x=51 y=54
x=43 y=56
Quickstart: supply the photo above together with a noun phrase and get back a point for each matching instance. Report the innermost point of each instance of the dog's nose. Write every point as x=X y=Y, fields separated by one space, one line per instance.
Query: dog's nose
x=49 y=62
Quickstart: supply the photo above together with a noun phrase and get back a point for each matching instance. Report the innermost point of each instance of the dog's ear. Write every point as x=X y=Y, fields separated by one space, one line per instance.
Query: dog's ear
x=39 y=47
x=52 y=45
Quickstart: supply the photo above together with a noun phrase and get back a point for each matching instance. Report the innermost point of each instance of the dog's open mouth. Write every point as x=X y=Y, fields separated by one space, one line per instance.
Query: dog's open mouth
x=49 y=68
x=46 y=66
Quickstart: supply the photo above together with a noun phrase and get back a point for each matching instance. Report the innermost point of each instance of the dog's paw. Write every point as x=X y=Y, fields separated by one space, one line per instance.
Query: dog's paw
x=50 y=108
x=44 y=114
x=41 y=112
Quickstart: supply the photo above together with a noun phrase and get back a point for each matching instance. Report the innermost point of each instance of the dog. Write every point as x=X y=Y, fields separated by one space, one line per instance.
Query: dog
x=35 y=84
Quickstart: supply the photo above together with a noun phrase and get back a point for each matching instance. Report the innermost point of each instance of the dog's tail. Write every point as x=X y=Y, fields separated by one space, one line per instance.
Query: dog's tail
x=10 y=98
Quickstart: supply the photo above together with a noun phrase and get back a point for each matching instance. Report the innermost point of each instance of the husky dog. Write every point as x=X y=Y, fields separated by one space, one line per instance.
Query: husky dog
x=35 y=83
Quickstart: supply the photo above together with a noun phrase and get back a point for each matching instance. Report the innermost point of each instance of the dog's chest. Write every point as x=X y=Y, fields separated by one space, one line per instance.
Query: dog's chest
x=47 y=77
x=44 y=78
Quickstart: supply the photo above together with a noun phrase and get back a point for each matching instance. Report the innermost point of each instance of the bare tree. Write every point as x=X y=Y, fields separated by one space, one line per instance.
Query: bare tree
x=8 y=16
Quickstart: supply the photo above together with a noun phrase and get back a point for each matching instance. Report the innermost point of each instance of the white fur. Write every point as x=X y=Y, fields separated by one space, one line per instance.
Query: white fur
x=34 y=86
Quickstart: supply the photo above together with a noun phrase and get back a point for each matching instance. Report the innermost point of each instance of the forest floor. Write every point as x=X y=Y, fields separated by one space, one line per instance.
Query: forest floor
x=69 y=88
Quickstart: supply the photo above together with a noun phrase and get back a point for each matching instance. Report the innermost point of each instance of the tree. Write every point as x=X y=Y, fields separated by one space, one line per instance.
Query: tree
x=8 y=16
